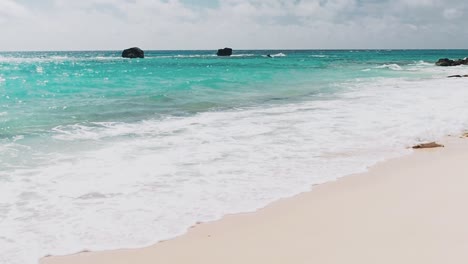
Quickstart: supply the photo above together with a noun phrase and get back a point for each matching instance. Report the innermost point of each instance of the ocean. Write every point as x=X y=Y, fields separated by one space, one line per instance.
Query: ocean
x=100 y=152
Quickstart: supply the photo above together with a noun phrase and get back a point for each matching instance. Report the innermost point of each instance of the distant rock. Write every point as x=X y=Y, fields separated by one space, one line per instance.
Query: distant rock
x=133 y=53
x=449 y=62
x=457 y=76
x=224 y=52
x=444 y=62
x=428 y=145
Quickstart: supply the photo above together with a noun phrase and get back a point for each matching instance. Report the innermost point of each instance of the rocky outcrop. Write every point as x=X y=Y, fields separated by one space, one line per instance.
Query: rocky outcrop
x=449 y=62
x=457 y=76
x=224 y=52
x=133 y=53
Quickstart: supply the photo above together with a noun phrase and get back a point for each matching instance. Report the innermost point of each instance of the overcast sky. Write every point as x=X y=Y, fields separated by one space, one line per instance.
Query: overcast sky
x=240 y=24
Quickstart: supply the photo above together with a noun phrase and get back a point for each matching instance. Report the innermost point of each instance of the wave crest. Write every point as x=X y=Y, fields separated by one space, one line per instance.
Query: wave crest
x=392 y=66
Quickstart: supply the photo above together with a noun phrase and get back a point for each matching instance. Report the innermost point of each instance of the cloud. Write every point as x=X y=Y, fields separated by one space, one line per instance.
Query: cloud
x=452 y=13
x=420 y=3
x=12 y=9
x=242 y=24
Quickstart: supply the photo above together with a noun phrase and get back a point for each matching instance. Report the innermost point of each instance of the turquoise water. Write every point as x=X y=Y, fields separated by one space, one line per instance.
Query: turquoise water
x=41 y=90
x=154 y=145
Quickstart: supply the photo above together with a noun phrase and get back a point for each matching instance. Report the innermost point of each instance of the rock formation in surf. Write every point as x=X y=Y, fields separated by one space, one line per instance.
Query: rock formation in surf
x=457 y=76
x=449 y=62
x=224 y=52
x=133 y=53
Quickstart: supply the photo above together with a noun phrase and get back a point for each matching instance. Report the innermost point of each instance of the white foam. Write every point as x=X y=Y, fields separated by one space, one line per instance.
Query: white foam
x=197 y=56
x=242 y=55
x=182 y=56
x=392 y=66
x=129 y=185
x=12 y=59
x=423 y=63
x=278 y=55
x=275 y=55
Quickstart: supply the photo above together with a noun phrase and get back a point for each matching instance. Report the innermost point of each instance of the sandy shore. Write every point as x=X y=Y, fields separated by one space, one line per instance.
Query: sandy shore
x=407 y=210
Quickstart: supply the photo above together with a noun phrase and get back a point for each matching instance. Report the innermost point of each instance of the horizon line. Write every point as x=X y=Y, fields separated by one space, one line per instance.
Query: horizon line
x=242 y=49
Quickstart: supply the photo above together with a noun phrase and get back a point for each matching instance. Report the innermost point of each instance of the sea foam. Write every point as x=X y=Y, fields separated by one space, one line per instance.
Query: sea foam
x=137 y=183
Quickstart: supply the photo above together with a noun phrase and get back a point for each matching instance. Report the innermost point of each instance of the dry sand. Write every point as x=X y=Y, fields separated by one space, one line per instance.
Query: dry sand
x=407 y=210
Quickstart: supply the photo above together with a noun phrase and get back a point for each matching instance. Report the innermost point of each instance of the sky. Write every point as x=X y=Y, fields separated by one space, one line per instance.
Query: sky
x=240 y=24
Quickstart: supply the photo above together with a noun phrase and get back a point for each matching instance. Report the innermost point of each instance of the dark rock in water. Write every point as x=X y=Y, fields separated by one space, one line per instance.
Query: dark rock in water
x=457 y=76
x=443 y=62
x=224 y=52
x=449 y=62
x=133 y=53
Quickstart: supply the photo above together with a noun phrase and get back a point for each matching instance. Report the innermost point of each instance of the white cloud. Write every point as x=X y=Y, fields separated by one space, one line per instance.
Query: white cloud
x=170 y=24
x=452 y=13
x=10 y=8
x=420 y=3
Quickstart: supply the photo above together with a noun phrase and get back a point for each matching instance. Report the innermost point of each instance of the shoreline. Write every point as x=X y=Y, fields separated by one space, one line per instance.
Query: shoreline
x=283 y=220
